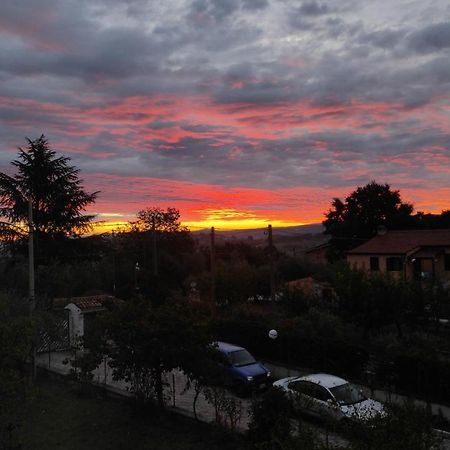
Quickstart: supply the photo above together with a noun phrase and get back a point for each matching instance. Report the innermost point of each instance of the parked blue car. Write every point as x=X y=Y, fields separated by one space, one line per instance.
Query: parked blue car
x=242 y=372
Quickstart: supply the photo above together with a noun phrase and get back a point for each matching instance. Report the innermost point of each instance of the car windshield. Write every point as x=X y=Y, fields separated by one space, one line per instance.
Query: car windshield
x=241 y=358
x=347 y=394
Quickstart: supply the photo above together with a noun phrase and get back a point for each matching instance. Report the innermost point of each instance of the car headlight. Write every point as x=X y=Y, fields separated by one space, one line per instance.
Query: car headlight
x=249 y=378
x=269 y=373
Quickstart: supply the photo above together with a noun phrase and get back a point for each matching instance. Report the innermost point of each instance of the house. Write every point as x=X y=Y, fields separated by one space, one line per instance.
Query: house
x=312 y=288
x=408 y=254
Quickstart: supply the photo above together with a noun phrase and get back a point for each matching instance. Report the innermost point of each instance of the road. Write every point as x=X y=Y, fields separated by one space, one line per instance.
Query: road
x=221 y=406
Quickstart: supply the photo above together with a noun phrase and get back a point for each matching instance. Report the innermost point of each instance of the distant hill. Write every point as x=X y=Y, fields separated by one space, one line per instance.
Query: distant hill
x=293 y=240
x=257 y=233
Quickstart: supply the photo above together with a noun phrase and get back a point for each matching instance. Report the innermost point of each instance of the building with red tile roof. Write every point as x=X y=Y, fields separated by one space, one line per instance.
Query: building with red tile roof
x=411 y=254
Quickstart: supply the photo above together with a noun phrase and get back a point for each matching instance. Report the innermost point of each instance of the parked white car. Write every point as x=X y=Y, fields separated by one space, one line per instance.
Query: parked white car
x=329 y=397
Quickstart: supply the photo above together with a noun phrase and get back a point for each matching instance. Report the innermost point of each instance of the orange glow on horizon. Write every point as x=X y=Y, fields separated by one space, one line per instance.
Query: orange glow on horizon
x=220 y=219
x=193 y=225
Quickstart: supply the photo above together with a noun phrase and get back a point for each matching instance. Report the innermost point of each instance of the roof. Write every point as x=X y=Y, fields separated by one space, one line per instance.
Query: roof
x=404 y=241
x=324 y=379
x=228 y=348
x=86 y=304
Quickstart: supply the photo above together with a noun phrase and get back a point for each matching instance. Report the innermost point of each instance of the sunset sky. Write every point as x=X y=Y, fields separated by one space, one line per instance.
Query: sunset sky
x=238 y=112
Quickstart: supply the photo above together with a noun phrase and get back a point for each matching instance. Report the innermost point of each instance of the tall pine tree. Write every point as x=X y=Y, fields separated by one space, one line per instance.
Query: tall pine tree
x=56 y=193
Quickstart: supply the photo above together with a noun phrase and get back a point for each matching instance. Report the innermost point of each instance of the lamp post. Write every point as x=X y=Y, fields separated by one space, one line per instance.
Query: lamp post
x=31 y=287
x=273 y=334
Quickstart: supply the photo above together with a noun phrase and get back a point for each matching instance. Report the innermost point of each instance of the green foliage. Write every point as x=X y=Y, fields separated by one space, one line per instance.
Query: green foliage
x=417 y=364
x=176 y=260
x=372 y=301
x=16 y=334
x=227 y=408
x=430 y=221
x=86 y=358
x=60 y=418
x=56 y=192
x=356 y=219
x=290 y=268
x=295 y=302
x=147 y=342
x=156 y=219
x=270 y=417
x=405 y=427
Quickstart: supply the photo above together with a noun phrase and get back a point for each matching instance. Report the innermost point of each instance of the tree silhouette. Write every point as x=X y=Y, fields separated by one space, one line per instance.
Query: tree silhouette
x=363 y=212
x=156 y=219
x=56 y=193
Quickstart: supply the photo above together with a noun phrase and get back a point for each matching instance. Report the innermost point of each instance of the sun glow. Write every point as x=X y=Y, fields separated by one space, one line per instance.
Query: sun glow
x=221 y=219
x=233 y=219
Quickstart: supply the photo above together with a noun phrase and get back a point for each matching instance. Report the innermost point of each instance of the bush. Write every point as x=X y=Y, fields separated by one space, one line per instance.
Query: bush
x=405 y=427
x=318 y=340
x=270 y=417
x=16 y=335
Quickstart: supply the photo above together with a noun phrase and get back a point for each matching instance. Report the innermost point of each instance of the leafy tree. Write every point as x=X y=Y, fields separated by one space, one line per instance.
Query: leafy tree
x=429 y=221
x=163 y=249
x=357 y=219
x=56 y=193
x=150 y=341
x=156 y=219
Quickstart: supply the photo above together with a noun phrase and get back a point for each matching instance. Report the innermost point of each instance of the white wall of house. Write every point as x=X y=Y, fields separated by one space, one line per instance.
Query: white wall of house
x=76 y=323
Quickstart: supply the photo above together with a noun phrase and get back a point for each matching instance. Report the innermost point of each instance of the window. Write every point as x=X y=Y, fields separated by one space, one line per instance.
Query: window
x=374 y=263
x=311 y=390
x=447 y=261
x=394 y=264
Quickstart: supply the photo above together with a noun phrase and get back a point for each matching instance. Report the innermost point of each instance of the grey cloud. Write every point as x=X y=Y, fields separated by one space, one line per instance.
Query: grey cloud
x=161 y=125
x=283 y=161
x=386 y=39
x=239 y=54
x=215 y=9
x=254 y=4
x=202 y=128
x=313 y=8
x=432 y=38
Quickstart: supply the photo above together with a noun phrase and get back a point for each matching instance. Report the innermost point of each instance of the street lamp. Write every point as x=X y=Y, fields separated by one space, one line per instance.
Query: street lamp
x=273 y=334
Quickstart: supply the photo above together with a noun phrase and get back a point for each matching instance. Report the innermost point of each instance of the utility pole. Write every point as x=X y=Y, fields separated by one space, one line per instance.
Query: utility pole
x=31 y=290
x=271 y=268
x=154 y=250
x=213 y=270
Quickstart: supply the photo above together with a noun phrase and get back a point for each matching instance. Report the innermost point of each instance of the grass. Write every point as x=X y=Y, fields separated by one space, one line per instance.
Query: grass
x=60 y=418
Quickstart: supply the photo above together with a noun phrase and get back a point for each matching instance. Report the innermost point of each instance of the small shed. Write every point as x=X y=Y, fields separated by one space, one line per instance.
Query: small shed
x=82 y=312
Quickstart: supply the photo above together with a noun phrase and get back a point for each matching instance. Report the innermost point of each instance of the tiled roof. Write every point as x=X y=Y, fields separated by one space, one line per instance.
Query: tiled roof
x=88 y=303
x=404 y=241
